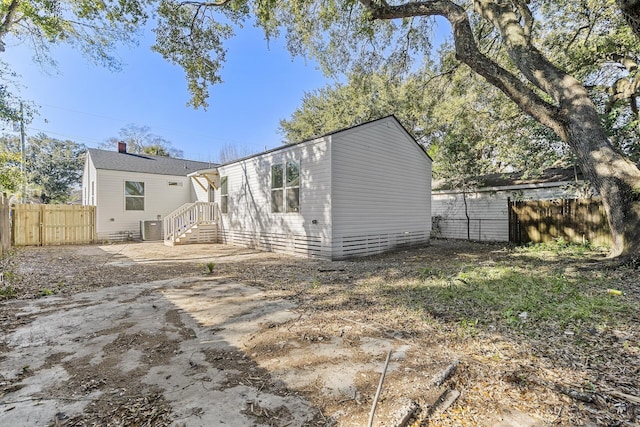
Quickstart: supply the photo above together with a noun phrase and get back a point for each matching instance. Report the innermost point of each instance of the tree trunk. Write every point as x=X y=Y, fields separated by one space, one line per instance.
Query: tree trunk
x=572 y=115
x=631 y=11
x=615 y=178
x=578 y=124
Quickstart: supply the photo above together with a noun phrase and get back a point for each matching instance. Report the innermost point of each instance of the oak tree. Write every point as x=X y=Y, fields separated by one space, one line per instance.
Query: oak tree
x=501 y=40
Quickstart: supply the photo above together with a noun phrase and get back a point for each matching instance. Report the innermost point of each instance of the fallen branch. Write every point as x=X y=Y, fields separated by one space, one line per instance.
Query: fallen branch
x=628 y=397
x=561 y=388
x=375 y=400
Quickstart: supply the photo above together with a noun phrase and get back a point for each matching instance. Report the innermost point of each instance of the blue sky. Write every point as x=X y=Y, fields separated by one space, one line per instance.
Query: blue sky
x=88 y=104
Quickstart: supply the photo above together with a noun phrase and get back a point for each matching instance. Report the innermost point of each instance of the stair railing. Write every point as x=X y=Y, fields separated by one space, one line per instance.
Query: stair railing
x=187 y=216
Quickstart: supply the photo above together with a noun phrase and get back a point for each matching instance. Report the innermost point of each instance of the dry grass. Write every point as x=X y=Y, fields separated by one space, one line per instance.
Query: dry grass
x=535 y=328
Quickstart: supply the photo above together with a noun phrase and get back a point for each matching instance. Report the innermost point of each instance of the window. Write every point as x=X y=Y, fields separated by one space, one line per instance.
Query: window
x=293 y=187
x=224 y=194
x=285 y=187
x=277 y=189
x=134 y=195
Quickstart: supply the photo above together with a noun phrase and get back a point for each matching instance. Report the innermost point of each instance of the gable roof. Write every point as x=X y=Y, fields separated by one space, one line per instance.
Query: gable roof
x=285 y=146
x=129 y=162
x=494 y=180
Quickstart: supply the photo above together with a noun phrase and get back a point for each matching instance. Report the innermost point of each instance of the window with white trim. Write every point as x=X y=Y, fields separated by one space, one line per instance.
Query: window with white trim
x=285 y=187
x=134 y=195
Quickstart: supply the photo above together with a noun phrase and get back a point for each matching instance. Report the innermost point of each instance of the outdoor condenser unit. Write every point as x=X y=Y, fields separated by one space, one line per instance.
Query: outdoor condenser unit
x=151 y=230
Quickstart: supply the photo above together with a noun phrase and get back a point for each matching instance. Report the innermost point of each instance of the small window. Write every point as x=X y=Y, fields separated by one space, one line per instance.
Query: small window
x=277 y=189
x=224 y=195
x=134 y=195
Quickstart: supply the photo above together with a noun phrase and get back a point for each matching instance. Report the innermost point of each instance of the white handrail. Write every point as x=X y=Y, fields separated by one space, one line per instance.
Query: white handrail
x=188 y=215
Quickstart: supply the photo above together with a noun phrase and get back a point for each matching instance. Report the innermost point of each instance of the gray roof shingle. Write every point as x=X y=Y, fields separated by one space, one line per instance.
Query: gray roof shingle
x=129 y=162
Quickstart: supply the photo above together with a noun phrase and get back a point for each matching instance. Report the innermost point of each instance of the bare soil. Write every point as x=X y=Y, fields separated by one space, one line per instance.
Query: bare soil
x=346 y=317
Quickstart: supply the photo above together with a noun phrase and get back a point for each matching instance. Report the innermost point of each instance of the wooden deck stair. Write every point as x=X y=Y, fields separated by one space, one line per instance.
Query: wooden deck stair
x=192 y=223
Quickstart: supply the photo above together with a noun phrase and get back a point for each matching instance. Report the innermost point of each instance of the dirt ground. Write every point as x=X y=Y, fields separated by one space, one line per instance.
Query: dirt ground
x=144 y=334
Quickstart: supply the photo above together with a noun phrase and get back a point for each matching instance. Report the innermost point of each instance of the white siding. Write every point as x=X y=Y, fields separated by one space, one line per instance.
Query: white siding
x=88 y=182
x=488 y=216
x=250 y=222
x=161 y=198
x=381 y=194
x=199 y=193
x=487 y=209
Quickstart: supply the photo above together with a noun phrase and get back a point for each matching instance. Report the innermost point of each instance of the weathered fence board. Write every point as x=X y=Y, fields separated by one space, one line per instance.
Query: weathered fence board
x=5 y=225
x=36 y=225
x=574 y=220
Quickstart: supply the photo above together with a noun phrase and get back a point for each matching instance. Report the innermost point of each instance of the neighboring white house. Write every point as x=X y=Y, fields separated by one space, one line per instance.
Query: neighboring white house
x=353 y=192
x=127 y=188
x=482 y=213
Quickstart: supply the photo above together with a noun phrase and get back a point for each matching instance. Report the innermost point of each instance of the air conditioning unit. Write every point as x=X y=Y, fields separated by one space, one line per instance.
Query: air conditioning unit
x=151 y=230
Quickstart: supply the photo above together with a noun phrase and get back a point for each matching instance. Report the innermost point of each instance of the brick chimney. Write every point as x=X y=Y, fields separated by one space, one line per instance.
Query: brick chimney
x=122 y=147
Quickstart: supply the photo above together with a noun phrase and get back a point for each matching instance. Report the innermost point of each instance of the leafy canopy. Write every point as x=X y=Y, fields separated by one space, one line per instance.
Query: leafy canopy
x=140 y=140
x=52 y=167
x=587 y=38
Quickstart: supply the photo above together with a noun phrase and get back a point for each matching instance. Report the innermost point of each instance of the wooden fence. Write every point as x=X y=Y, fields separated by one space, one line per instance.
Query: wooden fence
x=39 y=225
x=5 y=225
x=574 y=220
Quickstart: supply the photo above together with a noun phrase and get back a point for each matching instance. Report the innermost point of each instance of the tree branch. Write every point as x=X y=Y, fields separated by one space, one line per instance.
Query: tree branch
x=631 y=11
x=527 y=17
x=468 y=52
x=203 y=4
x=8 y=21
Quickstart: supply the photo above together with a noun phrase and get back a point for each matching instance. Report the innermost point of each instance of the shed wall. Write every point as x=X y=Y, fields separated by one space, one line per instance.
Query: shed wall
x=161 y=198
x=250 y=221
x=381 y=190
x=488 y=211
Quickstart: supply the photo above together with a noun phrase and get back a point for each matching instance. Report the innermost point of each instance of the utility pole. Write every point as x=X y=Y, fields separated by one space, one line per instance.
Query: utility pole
x=22 y=151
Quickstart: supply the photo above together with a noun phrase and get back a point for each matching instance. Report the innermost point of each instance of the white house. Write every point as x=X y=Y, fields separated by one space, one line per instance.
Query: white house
x=127 y=188
x=482 y=213
x=353 y=192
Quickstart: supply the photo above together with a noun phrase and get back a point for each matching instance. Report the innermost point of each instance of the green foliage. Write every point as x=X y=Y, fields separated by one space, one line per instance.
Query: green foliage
x=95 y=28
x=362 y=99
x=8 y=292
x=591 y=40
x=45 y=292
x=210 y=267
x=140 y=140
x=469 y=126
x=467 y=135
x=55 y=166
x=510 y=296
x=52 y=167
x=11 y=178
x=12 y=108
